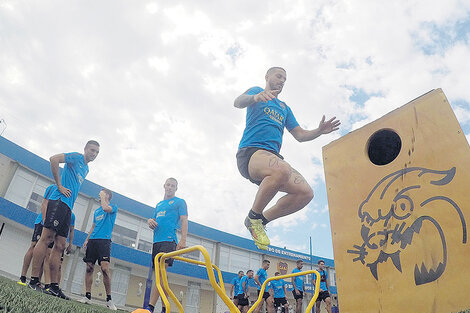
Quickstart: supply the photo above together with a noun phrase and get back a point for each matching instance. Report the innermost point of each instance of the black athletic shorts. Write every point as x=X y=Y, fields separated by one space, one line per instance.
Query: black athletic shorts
x=58 y=217
x=98 y=250
x=37 y=232
x=243 y=159
x=296 y=296
x=265 y=294
x=322 y=295
x=242 y=301
x=279 y=301
x=163 y=246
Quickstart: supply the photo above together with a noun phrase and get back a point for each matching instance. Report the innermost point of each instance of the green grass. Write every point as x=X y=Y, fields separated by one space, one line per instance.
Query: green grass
x=20 y=299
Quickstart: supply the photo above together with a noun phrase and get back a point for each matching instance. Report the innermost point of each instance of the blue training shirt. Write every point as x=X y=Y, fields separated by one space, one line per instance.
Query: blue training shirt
x=73 y=175
x=47 y=194
x=323 y=278
x=299 y=282
x=235 y=282
x=167 y=214
x=278 y=287
x=265 y=122
x=240 y=286
x=104 y=223
x=262 y=276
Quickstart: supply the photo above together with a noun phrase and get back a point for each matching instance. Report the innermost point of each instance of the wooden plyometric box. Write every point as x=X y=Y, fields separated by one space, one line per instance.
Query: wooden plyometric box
x=399 y=200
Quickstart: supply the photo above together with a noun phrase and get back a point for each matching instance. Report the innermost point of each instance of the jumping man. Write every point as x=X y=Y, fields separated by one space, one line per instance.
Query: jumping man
x=258 y=157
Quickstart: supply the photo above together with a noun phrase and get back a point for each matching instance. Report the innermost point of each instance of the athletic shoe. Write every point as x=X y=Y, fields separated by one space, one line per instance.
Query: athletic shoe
x=58 y=293
x=110 y=305
x=36 y=287
x=47 y=291
x=22 y=283
x=84 y=300
x=257 y=231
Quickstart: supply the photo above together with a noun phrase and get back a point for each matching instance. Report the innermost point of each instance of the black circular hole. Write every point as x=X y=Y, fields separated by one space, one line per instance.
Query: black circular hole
x=384 y=147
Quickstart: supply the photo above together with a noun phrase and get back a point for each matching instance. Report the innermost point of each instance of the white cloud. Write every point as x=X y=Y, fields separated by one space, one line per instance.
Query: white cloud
x=154 y=82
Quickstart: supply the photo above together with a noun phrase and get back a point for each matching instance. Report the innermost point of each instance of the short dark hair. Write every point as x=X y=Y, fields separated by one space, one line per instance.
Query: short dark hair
x=298 y=261
x=249 y=271
x=108 y=192
x=172 y=178
x=266 y=261
x=240 y=272
x=277 y=273
x=319 y=261
x=92 y=142
x=275 y=68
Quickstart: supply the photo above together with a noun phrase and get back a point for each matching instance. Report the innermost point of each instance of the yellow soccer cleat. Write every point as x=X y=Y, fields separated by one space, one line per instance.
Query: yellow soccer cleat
x=21 y=283
x=257 y=231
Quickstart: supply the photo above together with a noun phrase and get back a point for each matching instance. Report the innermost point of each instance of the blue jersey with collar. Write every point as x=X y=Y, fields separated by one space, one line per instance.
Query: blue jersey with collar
x=278 y=287
x=47 y=194
x=236 y=284
x=104 y=223
x=73 y=175
x=298 y=281
x=262 y=276
x=167 y=215
x=240 y=286
x=265 y=122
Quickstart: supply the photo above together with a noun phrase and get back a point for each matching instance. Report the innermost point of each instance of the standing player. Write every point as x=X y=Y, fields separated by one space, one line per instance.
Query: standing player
x=279 y=289
x=38 y=225
x=168 y=213
x=235 y=286
x=298 y=283
x=47 y=275
x=98 y=246
x=324 y=294
x=258 y=157
x=242 y=292
x=59 y=210
x=260 y=278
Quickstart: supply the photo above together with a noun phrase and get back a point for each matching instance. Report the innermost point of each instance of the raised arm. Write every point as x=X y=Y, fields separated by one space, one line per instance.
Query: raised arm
x=325 y=127
x=104 y=201
x=55 y=161
x=184 y=232
x=245 y=100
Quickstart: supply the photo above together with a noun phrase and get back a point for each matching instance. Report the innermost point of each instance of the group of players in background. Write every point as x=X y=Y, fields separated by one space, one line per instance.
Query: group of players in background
x=258 y=160
x=275 y=292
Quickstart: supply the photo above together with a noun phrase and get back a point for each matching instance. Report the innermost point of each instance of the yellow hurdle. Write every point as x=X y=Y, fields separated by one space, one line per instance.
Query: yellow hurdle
x=218 y=287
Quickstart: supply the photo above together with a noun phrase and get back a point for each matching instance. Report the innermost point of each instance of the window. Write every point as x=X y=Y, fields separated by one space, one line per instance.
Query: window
x=125 y=229
x=79 y=209
x=196 y=255
x=233 y=259
x=21 y=186
x=37 y=195
x=145 y=242
x=94 y=206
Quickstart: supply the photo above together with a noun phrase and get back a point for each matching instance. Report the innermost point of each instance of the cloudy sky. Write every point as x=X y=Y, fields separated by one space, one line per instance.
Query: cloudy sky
x=154 y=83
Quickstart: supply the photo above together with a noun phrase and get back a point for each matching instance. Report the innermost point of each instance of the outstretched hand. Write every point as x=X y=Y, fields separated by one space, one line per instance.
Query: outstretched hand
x=328 y=126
